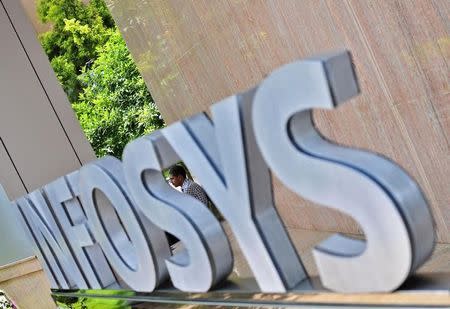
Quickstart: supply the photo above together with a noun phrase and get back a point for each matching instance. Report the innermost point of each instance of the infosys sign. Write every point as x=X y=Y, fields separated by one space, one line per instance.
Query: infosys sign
x=103 y=227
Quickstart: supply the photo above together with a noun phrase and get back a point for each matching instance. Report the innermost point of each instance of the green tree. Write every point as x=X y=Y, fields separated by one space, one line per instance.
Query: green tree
x=93 y=64
x=115 y=106
x=71 y=44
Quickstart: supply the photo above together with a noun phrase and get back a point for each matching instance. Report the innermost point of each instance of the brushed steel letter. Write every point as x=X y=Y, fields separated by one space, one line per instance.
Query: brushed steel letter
x=127 y=242
x=68 y=211
x=225 y=158
x=383 y=199
x=50 y=245
x=207 y=258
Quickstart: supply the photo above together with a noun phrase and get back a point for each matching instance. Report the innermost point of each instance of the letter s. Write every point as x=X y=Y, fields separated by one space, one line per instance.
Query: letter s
x=206 y=258
x=383 y=199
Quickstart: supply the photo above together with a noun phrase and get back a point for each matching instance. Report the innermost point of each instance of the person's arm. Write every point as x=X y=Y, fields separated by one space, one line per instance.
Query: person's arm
x=196 y=191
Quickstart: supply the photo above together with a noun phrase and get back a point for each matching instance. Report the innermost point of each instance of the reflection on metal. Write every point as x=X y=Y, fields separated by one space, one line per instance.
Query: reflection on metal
x=224 y=158
x=118 y=223
x=382 y=198
x=62 y=196
x=415 y=293
x=50 y=246
x=126 y=238
x=206 y=259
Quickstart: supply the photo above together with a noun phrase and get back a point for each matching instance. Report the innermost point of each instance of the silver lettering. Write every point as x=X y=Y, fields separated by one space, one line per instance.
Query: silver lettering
x=50 y=243
x=354 y=182
x=116 y=225
x=67 y=209
x=235 y=181
x=207 y=258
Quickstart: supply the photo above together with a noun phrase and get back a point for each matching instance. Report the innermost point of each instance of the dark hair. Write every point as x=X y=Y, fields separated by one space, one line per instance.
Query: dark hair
x=177 y=170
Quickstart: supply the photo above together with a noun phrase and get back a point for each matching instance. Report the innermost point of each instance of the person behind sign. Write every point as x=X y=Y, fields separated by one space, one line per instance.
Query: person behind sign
x=178 y=178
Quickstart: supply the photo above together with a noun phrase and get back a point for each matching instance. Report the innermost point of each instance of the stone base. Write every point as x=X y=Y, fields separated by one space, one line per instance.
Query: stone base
x=25 y=283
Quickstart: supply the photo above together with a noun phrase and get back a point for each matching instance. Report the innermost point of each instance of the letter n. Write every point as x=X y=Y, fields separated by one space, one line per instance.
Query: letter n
x=49 y=243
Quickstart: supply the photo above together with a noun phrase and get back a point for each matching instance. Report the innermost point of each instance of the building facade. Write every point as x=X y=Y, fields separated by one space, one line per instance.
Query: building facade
x=192 y=54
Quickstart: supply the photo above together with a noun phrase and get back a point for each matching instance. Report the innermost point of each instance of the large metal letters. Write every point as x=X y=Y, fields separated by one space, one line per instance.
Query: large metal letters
x=52 y=249
x=62 y=195
x=207 y=258
x=377 y=193
x=217 y=157
x=127 y=239
x=103 y=226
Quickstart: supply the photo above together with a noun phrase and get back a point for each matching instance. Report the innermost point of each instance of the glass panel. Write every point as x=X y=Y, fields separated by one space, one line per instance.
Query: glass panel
x=14 y=245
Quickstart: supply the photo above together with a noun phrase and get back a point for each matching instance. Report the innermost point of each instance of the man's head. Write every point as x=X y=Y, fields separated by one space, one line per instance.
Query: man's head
x=177 y=175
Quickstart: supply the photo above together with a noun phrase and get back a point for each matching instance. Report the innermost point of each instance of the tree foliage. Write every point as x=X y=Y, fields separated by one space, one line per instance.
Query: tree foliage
x=77 y=30
x=115 y=106
x=98 y=74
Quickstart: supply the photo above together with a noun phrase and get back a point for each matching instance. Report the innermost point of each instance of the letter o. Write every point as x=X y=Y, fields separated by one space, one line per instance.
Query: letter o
x=115 y=224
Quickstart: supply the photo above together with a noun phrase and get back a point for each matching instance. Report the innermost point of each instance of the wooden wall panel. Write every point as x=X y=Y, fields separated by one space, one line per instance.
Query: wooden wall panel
x=194 y=53
x=413 y=74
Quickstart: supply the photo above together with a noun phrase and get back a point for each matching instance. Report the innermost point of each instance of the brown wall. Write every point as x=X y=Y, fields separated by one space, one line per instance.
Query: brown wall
x=194 y=53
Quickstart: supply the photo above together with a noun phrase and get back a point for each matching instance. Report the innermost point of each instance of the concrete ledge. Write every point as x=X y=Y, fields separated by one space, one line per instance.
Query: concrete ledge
x=25 y=283
x=20 y=268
